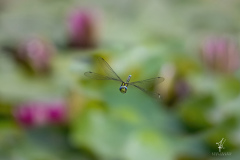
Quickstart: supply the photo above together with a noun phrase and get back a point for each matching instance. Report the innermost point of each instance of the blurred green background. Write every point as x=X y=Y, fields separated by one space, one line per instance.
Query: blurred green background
x=50 y=111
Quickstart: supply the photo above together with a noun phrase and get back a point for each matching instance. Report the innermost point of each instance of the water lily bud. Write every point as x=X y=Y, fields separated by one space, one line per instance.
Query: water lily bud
x=175 y=87
x=82 y=28
x=220 y=54
x=37 y=54
x=39 y=113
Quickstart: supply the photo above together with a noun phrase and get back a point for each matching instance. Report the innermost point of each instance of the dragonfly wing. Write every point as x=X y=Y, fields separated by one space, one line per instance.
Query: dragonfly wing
x=148 y=92
x=148 y=81
x=97 y=76
x=144 y=85
x=108 y=70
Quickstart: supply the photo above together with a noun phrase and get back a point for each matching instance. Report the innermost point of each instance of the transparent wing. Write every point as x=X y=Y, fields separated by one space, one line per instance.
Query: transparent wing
x=108 y=70
x=145 y=84
x=97 y=76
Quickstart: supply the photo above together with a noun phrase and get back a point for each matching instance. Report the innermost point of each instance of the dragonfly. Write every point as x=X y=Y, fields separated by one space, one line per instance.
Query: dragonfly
x=110 y=74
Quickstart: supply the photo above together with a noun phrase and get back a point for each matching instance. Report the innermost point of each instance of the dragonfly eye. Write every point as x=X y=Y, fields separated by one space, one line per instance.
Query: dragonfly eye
x=123 y=89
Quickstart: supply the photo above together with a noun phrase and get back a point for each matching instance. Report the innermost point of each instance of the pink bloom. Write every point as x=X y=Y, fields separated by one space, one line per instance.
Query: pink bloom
x=221 y=54
x=82 y=28
x=37 y=54
x=41 y=113
x=56 y=112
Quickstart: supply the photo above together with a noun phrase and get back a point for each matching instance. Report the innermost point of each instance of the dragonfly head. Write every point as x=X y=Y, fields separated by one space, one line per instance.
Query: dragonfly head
x=123 y=89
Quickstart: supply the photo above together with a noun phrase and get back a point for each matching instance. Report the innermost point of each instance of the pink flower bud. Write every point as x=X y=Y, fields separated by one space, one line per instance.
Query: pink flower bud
x=41 y=113
x=37 y=54
x=82 y=28
x=220 y=54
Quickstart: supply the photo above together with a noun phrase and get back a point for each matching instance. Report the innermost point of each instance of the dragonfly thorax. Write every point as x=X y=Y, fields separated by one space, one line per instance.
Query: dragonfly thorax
x=123 y=88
